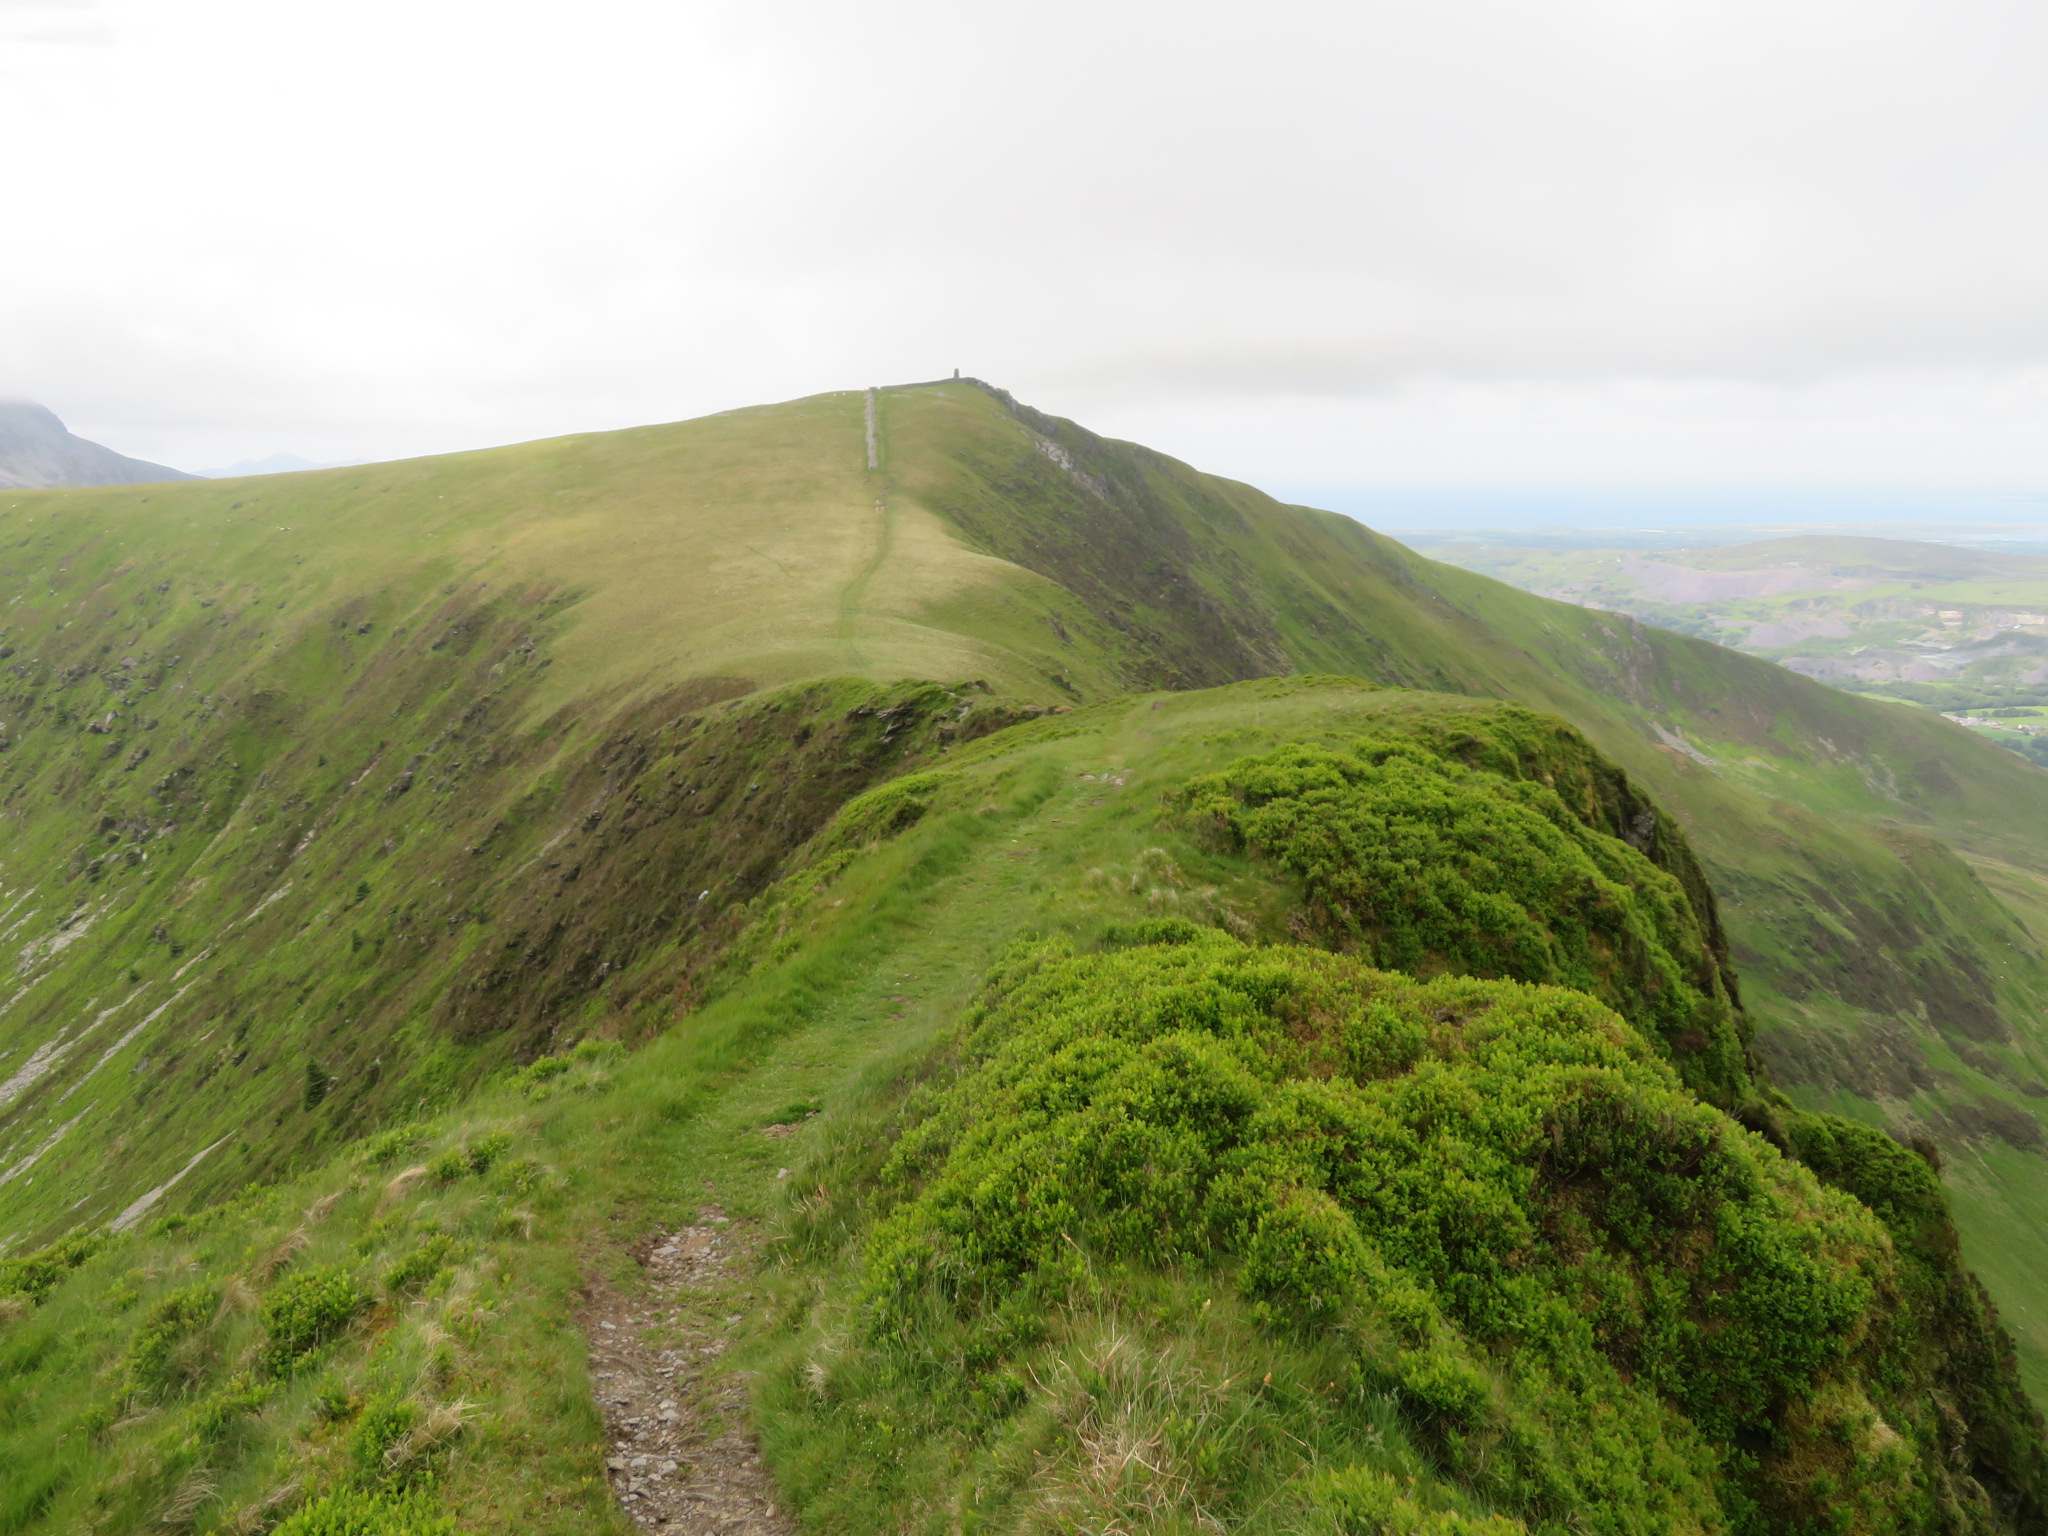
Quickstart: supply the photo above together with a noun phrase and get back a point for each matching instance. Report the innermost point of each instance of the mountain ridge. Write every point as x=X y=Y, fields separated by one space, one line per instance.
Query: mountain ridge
x=332 y=800
x=37 y=452
x=507 y=600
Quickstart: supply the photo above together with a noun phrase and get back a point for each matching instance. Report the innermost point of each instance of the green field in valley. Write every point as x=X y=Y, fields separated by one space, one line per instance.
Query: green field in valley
x=1959 y=630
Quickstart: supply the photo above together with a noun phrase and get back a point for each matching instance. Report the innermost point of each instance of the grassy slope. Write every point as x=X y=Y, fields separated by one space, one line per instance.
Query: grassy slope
x=567 y=564
x=348 y=774
x=548 y=630
x=839 y=991
x=1885 y=978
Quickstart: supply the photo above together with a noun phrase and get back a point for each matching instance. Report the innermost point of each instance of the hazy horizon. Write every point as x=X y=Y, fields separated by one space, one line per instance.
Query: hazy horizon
x=1648 y=247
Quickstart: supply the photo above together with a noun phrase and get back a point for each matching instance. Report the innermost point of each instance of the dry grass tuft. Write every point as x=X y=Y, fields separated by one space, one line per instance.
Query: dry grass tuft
x=237 y=1295
x=253 y=1519
x=279 y=1258
x=319 y=1208
x=1130 y=1418
x=193 y=1494
x=399 y=1187
x=442 y=1426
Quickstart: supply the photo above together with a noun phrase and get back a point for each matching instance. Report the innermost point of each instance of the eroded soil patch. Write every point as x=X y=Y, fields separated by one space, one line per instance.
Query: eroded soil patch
x=679 y=1452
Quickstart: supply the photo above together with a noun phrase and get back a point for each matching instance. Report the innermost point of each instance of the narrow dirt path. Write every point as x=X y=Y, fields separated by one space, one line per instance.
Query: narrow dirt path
x=680 y=1456
x=854 y=592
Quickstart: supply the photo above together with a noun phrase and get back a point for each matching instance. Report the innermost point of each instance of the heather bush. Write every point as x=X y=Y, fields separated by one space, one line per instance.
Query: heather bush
x=1417 y=862
x=306 y=1311
x=1593 y=1294
x=349 y=1512
x=160 y=1357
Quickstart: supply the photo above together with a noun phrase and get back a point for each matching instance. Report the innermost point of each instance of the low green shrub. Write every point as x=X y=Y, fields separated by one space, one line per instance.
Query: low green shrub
x=537 y=1078
x=1600 y=1299
x=239 y=1398
x=306 y=1311
x=353 y=1512
x=419 y=1267
x=387 y=1147
x=158 y=1357
x=471 y=1159
x=1419 y=863
x=35 y=1275
x=533 y=1078
x=384 y=1422
x=521 y=1175
x=333 y=1403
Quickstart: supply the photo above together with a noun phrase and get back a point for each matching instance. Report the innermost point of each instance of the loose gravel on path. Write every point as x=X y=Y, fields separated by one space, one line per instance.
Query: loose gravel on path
x=681 y=1458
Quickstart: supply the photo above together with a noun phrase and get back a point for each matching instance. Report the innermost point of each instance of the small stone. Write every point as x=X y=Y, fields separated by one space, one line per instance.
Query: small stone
x=782 y=1173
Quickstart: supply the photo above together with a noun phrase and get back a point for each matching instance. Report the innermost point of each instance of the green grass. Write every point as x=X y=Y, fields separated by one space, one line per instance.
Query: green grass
x=470 y=1234
x=363 y=776
x=330 y=798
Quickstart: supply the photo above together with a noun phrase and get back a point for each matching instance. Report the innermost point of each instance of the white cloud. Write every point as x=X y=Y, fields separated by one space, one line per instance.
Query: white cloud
x=1478 y=237
x=1980 y=429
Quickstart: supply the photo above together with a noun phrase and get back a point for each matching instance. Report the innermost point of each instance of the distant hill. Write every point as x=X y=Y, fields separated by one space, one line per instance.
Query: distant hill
x=1839 y=555
x=276 y=464
x=1959 y=630
x=37 y=453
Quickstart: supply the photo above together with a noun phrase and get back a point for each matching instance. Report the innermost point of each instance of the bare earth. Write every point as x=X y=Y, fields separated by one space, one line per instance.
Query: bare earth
x=679 y=1454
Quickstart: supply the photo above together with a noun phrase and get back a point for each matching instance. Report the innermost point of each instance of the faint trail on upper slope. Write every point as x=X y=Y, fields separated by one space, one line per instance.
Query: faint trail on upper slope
x=47 y=1142
x=121 y=1044
x=140 y=1208
x=850 y=596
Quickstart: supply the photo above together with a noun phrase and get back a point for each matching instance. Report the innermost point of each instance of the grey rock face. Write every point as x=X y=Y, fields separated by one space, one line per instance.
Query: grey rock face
x=36 y=452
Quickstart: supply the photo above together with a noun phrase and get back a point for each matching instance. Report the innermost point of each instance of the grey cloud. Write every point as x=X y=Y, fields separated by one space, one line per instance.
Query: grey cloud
x=661 y=210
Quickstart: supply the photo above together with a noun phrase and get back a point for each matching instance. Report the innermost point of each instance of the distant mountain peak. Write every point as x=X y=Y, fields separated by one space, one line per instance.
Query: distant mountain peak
x=275 y=464
x=37 y=452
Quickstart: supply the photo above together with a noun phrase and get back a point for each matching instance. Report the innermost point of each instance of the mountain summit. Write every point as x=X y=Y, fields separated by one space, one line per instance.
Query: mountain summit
x=37 y=453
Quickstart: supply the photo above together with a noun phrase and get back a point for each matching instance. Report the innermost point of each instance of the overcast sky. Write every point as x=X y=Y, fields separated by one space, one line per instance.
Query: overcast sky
x=1348 y=243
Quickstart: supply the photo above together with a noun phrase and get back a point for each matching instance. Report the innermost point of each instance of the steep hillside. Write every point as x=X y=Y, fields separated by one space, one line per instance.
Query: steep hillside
x=218 y=691
x=1176 y=1213
x=329 y=803
x=36 y=451
x=328 y=799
